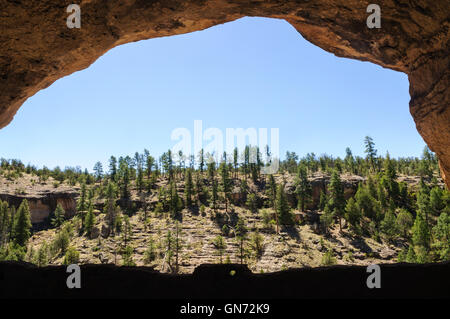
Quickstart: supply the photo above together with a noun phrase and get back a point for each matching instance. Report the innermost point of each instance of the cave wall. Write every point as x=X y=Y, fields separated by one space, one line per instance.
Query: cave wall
x=38 y=48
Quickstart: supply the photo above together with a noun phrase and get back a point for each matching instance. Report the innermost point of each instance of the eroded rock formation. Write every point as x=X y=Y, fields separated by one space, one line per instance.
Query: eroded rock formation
x=38 y=48
x=43 y=204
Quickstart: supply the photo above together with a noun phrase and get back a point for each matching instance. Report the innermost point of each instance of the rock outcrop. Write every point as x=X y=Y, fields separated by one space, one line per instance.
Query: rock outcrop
x=319 y=183
x=38 y=48
x=43 y=204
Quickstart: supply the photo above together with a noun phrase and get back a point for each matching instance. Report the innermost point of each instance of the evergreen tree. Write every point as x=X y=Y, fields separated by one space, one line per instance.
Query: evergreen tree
x=42 y=255
x=226 y=184
x=337 y=200
x=252 y=203
x=326 y=219
x=188 y=188
x=98 y=171
x=257 y=243
x=178 y=245
x=58 y=218
x=140 y=179
x=282 y=207
x=82 y=204
x=420 y=232
x=323 y=200
x=370 y=151
x=235 y=161
x=411 y=255
x=175 y=203
x=22 y=224
x=303 y=187
x=126 y=230
x=220 y=244
x=150 y=252
x=241 y=235
x=404 y=222
x=72 y=256
x=5 y=223
x=201 y=160
x=271 y=190
x=388 y=225
x=353 y=213
x=110 y=204
x=214 y=195
x=436 y=201
x=127 y=256
x=89 y=220
x=113 y=168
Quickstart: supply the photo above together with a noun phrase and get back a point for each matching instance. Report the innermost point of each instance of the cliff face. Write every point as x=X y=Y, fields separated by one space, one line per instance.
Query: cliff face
x=38 y=48
x=319 y=183
x=42 y=205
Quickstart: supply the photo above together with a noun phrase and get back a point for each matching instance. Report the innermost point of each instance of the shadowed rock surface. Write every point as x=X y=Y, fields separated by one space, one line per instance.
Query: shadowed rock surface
x=214 y=281
x=38 y=48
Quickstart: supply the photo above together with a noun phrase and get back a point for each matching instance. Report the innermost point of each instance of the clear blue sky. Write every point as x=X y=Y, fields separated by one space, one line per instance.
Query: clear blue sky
x=254 y=72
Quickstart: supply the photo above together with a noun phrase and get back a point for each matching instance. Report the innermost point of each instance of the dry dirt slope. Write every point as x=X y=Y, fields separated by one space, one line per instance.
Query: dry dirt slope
x=297 y=246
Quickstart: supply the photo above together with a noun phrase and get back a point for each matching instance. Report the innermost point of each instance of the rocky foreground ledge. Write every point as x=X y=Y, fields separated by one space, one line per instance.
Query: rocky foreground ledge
x=23 y=280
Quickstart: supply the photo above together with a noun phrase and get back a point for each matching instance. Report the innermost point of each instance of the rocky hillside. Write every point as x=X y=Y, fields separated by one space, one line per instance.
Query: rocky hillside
x=300 y=245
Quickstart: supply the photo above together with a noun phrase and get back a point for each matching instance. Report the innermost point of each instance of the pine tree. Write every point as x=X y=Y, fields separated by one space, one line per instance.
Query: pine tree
x=420 y=232
x=150 y=252
x=411 y=255
x=126 y=230
x=201 y=160
x=327 y=218
x=271 y=190
x=388 y=225
x=188 y=188
x=113 y=168
x=178 y=242
x=241 y=235
x=42 y=255
x=110 y=204
x=214 y=195
x=82 y=204
x=89 y=220
x=257 y=243
x=404 y=222
x=72 y=256
x=252 y=203
x=58 y=218
x=5 y=223
x=370 y=151
x=436 y=202
x=441 y=234
x=337 y=200
x=220 y=244
x=282 y=207
x=353 y=213
x=235 y=161
x=98 y=171
x=22 y=224
x=175 y=203
x=127 y=256
x=303 y=187
x=226 y=184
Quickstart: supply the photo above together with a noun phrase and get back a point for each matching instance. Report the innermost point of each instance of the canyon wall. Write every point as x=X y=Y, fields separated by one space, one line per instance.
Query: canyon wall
x=42 y=206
